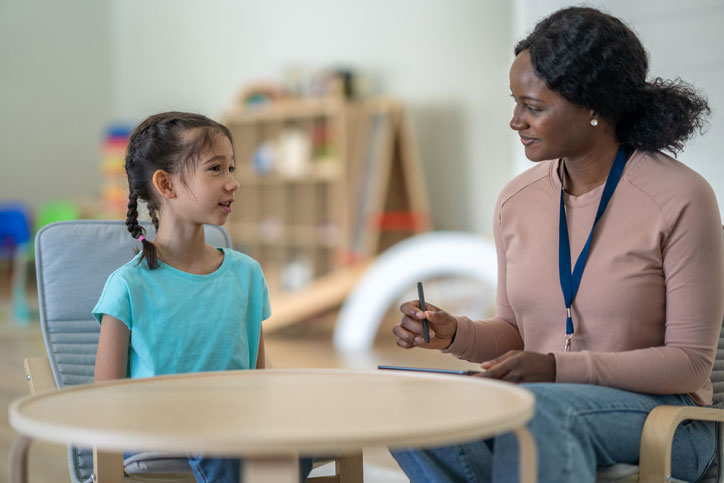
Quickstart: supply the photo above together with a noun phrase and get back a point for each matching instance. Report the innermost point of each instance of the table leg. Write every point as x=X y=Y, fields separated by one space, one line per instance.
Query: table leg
x=350 y=468
x=107 y=467
x=282 y=469
x=527 y=456
x=19 y=460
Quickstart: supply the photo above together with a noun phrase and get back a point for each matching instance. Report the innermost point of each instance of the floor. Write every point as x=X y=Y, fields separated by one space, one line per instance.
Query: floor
x=306 y=344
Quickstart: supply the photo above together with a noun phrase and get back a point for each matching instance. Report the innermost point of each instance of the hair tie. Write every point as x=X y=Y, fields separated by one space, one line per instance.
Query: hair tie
x=141 y=238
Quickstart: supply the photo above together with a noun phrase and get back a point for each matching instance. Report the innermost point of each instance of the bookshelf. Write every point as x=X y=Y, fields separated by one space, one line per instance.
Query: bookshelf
x=326 y=184
x=291 y=158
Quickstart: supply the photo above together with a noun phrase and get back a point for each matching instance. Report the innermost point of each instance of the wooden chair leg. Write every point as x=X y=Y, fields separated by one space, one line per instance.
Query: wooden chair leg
x=528 y=456
x=19 y=460
x=281 y=469
x=107 y=467
x=349 y=468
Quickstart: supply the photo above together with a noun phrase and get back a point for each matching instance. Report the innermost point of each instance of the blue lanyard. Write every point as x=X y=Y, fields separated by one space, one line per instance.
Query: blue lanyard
x=570 y=282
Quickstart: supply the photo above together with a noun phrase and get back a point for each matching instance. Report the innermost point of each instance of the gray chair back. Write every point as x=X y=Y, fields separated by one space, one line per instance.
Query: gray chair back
x=73 y=260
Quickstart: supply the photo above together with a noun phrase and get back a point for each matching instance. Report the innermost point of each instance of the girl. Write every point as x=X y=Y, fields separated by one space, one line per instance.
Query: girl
x=181 y=305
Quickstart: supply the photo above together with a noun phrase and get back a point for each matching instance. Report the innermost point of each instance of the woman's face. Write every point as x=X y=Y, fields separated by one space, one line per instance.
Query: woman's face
x=549 y=126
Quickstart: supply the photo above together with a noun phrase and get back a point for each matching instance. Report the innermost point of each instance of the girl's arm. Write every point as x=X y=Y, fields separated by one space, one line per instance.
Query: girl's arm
x=112 y=355
x=261 y=356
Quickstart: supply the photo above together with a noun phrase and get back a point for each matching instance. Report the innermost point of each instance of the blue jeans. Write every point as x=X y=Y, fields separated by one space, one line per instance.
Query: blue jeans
x=576 y=427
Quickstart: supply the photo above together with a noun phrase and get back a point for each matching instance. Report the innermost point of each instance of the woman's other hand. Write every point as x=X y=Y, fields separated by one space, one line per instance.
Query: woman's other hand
x=409 y=331
x=521 y=366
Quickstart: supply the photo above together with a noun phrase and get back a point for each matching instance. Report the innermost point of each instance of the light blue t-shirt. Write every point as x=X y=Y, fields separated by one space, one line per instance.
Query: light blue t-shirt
x=181 y=322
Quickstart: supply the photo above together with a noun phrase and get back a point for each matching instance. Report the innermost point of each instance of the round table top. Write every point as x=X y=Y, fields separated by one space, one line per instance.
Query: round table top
x=275 y=411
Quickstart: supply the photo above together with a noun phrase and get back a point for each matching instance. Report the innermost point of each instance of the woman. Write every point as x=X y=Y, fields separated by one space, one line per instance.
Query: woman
x=610 y=259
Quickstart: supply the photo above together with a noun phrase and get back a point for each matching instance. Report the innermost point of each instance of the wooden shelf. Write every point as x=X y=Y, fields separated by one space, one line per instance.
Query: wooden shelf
x=291 y=207
x=327 y=170
x=287 y=110
x=324 y=185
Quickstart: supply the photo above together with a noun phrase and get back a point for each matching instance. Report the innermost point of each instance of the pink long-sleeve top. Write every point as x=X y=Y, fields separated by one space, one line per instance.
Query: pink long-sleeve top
x=649 y=308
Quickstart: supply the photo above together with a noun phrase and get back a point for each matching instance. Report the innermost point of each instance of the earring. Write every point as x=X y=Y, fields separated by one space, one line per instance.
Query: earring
x=594 y=122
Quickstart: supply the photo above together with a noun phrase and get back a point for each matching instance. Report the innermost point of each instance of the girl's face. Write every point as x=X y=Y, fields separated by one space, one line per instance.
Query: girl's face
x=549 y=126
x=207 y=194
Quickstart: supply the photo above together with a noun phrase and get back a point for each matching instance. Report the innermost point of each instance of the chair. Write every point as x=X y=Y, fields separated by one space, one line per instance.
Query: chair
x=73 y=261
x=658 y=436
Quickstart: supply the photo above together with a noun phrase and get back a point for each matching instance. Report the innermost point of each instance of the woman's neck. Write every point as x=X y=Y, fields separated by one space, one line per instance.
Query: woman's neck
x=581 y=174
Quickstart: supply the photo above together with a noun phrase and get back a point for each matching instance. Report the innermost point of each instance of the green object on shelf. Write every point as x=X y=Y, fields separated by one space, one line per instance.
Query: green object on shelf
x=56 y=211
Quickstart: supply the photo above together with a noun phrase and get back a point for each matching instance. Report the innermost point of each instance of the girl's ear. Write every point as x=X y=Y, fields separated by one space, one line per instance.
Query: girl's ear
x=163 y=184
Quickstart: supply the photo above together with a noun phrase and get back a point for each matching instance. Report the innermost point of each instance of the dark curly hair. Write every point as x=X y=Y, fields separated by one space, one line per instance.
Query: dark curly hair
x=594 y=60
x=169 y=141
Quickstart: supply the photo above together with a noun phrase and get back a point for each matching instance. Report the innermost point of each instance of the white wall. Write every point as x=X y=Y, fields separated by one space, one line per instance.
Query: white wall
x=70 y=68
x=684 y=40
x=447 y=61
x=54 y=98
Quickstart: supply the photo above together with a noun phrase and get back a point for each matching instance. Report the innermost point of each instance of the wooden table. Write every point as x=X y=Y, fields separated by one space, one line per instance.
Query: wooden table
x=271 y=416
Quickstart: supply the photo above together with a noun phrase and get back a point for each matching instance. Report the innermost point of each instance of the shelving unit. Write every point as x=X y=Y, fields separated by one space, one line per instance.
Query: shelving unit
x=290 y=215
x=325 y=185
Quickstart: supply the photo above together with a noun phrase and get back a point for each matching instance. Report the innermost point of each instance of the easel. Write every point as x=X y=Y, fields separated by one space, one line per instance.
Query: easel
x=390 y=201
x=386 y=203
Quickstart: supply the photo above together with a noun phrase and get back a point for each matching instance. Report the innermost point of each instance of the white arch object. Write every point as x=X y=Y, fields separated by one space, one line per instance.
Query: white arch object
x=433 y=254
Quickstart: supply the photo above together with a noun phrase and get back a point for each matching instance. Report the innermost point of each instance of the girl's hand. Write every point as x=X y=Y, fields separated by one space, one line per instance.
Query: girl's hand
x=409 y=331
x=521 y=366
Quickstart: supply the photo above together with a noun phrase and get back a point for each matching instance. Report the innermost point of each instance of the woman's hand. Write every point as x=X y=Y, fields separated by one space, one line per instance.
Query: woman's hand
x=521 y=366
x=409 y=331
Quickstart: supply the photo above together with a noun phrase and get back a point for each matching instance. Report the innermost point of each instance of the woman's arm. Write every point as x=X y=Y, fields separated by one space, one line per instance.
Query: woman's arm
x=112 y=355
x=261 y=354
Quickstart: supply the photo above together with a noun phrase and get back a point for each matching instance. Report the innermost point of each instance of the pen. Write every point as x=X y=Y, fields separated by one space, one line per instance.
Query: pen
x=425 y=324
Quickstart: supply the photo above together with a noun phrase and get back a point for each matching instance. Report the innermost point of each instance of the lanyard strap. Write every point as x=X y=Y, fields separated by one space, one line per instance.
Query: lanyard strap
x=571 y=281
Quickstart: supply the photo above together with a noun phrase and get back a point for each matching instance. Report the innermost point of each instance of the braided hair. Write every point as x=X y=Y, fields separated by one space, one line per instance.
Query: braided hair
x=595 y=61
x=171 y=142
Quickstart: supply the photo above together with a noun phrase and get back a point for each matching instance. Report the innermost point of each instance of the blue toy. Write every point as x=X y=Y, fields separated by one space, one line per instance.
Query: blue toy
x=15 y=245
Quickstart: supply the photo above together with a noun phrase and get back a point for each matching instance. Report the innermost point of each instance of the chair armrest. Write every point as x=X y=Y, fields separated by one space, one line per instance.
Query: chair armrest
x=658 y=436
x=39 y=375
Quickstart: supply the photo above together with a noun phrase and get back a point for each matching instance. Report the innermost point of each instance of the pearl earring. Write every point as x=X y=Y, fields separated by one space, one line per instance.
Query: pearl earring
x=594 y=122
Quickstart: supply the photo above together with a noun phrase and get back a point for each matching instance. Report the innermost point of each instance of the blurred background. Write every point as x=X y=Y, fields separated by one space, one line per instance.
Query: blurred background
x=75 y=76
x=71 y=69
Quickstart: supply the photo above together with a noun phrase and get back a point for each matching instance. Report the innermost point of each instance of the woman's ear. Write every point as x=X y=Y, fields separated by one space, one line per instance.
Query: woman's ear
x=163 y=184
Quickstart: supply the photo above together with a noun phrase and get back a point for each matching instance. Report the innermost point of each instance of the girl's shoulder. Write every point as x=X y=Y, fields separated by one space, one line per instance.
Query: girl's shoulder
x=130 y=270
x=125 y=276
x=238 y=260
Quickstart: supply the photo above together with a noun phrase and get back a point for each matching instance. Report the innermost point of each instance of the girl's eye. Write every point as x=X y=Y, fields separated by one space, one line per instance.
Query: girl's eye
x=232 y=169
x=215 y=168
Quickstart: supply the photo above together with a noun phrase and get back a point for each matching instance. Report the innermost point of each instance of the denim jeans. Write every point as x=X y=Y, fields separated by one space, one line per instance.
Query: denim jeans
x=576 y=427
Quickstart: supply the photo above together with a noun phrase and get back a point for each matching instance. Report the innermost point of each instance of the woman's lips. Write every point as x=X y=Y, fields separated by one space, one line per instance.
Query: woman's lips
x=527 y=141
